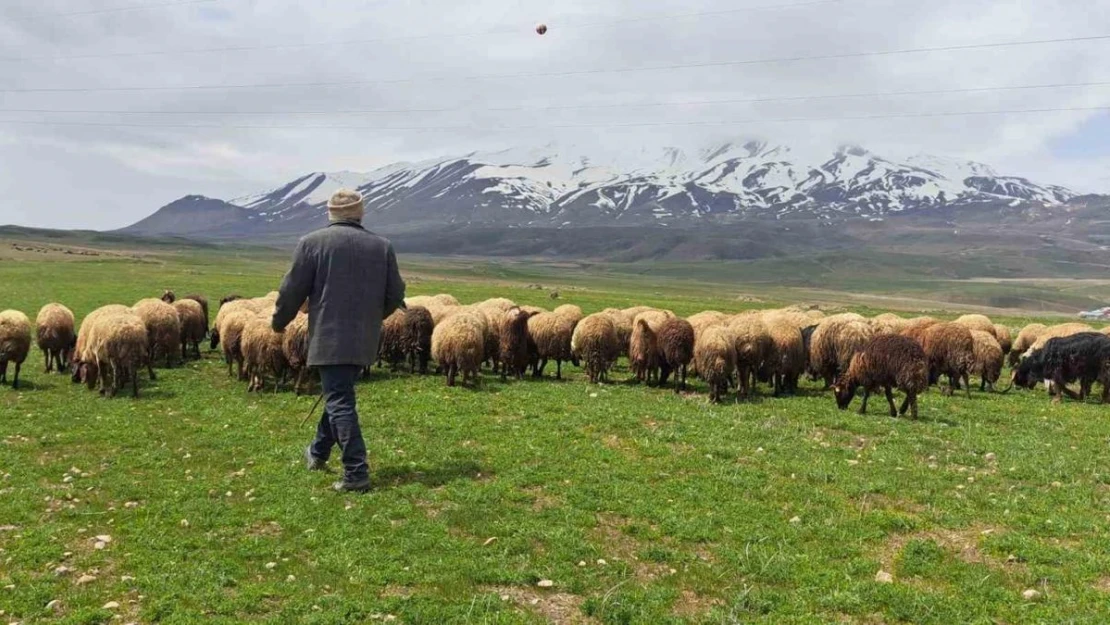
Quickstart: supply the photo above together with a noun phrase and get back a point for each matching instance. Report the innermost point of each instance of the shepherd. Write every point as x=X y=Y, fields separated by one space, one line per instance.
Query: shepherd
x=350 y=279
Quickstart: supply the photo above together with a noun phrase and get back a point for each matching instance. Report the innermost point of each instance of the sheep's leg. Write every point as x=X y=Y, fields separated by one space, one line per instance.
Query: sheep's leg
x=866 y=396
x=683 y=377
x=451 y=371
x=967 y=383
x=912 y=398
x=558 y=369
x=49 y=360
x=906 y=404
x=15 y=380
x=184 y=350
x=890 y=400
x=135 y=382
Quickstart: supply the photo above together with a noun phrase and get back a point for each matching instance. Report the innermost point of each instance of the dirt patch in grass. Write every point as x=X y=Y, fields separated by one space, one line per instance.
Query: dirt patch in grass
x=692 y=605
x=541 y=500
x=1103 y=584
x=620 y=547
x=962 y=543
x=558 y=607
x=871 y=501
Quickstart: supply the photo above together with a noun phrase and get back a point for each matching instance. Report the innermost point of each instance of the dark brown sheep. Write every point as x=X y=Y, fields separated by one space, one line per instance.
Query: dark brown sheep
x=514 y=352
x=950 y=349
x=391 y=347
x=417 y=338
x=676 y=350
x=887 y=361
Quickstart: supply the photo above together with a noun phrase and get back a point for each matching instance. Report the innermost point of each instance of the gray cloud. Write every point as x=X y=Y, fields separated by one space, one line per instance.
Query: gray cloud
x=428 y=54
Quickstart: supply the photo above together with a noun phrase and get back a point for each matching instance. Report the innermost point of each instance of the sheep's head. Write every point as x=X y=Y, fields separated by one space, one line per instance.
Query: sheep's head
x=168 y=296
x=214 y=339
x=229 y=298
x=845 y=391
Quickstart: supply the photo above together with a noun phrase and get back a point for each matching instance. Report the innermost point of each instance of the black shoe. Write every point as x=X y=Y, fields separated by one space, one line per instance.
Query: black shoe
x=359 y=486
x=312 y=463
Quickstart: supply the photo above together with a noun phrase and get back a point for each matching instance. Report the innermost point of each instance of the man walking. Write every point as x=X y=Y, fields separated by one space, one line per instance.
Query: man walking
x=349 y=277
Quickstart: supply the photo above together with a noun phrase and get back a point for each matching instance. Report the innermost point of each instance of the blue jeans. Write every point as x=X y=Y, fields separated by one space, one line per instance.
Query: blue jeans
x=339 y=423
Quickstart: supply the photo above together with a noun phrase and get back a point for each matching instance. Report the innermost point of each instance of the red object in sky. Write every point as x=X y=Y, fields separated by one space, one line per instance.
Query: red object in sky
x=541 y=29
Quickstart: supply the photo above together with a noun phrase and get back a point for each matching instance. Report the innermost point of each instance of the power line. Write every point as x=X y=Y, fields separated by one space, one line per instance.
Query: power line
x=449 y=35
x=568 y=73
x=559 y=107
x=568 y=126
x=136 y=7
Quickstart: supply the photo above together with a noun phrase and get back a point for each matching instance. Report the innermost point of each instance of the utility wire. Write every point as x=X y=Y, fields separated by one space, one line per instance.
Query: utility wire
x=567 y=126
x=447 y=35
x=560 y=107
x=568 y=73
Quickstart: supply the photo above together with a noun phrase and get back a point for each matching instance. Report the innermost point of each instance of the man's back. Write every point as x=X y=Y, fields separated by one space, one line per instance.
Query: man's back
x=351 y=281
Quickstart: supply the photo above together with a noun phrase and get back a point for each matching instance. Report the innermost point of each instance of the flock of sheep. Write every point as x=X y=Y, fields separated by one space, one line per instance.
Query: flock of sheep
x=776 y=347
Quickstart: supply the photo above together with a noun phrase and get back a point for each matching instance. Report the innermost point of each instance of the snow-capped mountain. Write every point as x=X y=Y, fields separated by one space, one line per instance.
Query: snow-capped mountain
x=552 y=186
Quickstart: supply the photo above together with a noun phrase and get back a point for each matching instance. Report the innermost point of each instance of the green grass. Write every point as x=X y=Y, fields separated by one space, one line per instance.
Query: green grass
x=771 y=511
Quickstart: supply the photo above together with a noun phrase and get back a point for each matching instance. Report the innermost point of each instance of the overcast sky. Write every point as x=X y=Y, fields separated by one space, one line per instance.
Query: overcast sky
x=108 y=169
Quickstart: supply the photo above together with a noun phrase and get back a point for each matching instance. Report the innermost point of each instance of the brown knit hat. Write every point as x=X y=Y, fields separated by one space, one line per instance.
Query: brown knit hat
x=345 y=205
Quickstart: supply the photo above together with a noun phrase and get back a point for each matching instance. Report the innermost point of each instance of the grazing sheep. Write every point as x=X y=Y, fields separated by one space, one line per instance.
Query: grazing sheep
x=118 y=348
x=81 y=353
x=623 y=325
x=194 y=325
x=513 y=342
x=533 y=310
x=294 y=346
x=550 y=336
x=1025 y=339
x=15 y=343
x=703 y=320
x=643 y=347
x=440 y=312
x=676 y=351
x=981 y=323
x=916 y=327
x=635 y=311
x=888 y=323
x=230 y=327
x=815 y=315
x=1084 y=357
x=988 y=359
x=753 y=346
x=391 y=346
x=1004 y=338
x=835 y=341
x=56 y=335
x=887 y=361
x=951 y=352
x=715 y=359
x=1059 y=332
x=229 y=305
x=570 y=311
x=596 y=344
x=163 y=328
x=495 y=320
x=787 y=358
x=263 y=353
x=417 y=338
x=458 y=345
x=499 y=303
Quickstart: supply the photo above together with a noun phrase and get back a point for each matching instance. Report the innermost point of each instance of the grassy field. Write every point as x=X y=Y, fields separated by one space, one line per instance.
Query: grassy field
x=639 y=506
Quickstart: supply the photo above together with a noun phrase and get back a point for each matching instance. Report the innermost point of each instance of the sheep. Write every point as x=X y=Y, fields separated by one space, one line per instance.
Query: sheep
x=163 y=327
x=170 y=298
x=499 y=303
x=888 y=323
x=703 y=320
x=262 y=353
x=835 y=341
x=596 y=344
x=229 y=305
x=634 y=311
x=495 y=319
x=391 y=347
x=194 y=326
x=715 y=359
x=1025 y=339
x=56 y=335
x=118 y=349
x=569 y=311
x=988 y=359
x=1004 y=338
x=916 y=327
x=294 y=347
x=623 y=325
x=458 y=345
x=643 y=348
x=417 y=338
x=81 y=354
x=787 y=358
x=951 y=352
x=676 y=351
x=1059 y=331
x=753 y=346
x=230 y=328
x=815 y=314
x=513 y=342
x=886 y=361
x=1084 y=357
x=981 y=323
x=550 y=339
x=15 y=343
x=534 y=310
x=441 y=312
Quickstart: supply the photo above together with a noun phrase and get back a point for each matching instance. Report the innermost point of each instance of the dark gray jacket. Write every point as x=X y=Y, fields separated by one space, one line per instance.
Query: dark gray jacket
x=349 y=277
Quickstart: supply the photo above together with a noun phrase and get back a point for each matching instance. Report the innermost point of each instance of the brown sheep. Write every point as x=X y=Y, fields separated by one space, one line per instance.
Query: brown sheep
x=417 y=338
x=294 y=346
x=169 y=298
x=915 y=328
x=753 y=346
x=56 y=335
x=787 y=359
x=262 y=353
x=981 y=323
x=643 y=347
x=596 y=344
x=835 y=341
x=951 y=352
x=118 y=350
x=1004 y=338
x=1057 y=332
x=391 y=346
x=1025 y=339
x=569 y=311
x=623 y=325
x=458 y=345
x=163 y=328
x=886 y=361
x=494 y=319
x=513 y=342
x=676 y=351
x=193 y=325
x=715 y=358
x=82 y=355
x=888 y=323
x=988 y=359
x=15 y=343
x=549 y=339
x=706 y=319
x=230 y=328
